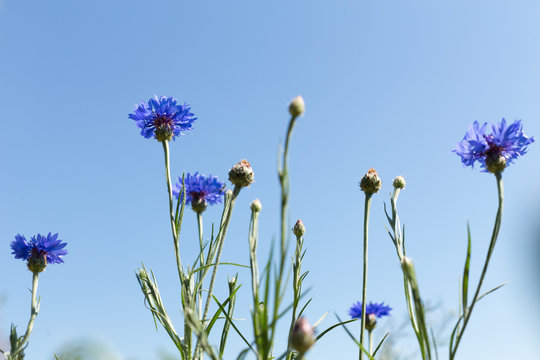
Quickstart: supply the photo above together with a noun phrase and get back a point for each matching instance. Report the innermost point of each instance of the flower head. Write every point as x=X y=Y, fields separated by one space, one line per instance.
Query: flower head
x=201 y=191
x=163 y=118
x=378 y=310
x=39 y=251
x=494 y=150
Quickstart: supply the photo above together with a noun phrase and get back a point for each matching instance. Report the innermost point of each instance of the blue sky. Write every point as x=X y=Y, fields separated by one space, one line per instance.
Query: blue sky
x=391 y=85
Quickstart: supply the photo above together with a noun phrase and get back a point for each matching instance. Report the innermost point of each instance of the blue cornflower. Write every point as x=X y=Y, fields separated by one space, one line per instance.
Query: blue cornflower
x=495 y=150
x=379 y=310
x=201 y=190
x=39 y=251
x=163 y=118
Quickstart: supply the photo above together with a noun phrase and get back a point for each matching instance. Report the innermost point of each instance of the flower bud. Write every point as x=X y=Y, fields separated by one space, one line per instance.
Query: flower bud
x=302 y=336
x=495 y=164
x=297 y=106
x=399 y=182
x=256 y=206
x=241 y=174
x=371 y=183
x=299 y=229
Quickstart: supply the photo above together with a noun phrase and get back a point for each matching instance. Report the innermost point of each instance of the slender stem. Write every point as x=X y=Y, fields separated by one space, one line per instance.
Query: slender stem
x=220 y=241
x=199 y=274
x=367 y=205
x=284 y=184
x=494 y=235
x=370 y=334
x=200 y=226
x=34 y=309
x=171 y=210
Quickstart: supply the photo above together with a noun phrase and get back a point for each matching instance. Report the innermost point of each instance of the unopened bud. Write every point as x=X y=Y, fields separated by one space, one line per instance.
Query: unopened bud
x=495 y=164
x=299 y=229
x=256 y=206
x=399 y=182
x=302 y=336
x=297 y=106
x=371 y=183
x=241 y=174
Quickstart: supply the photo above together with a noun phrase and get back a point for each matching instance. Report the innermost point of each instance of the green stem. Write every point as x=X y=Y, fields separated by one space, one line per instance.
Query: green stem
x=367 y=205
x=200 y=226
x=284 y=184
x=370 y=334
x=220 y=241
x=171 y=211
x=494 y=235
x=34 y=309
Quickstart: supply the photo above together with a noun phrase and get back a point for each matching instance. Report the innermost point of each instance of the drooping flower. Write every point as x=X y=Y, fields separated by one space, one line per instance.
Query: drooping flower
x=201 y=190
x=379 y=310
x=494 y=150
x=162 y=118
x=39 y=251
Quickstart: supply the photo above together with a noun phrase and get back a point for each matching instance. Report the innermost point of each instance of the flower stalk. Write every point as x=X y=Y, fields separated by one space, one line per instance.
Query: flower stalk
x=467 y=311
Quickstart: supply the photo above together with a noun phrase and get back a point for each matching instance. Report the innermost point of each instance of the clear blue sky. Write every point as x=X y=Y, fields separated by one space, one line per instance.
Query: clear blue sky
x=387 y=84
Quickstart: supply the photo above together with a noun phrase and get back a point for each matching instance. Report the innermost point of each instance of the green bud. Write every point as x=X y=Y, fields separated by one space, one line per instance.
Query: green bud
x=297 y=106
x=302 y=336
x=371 y=183
x=399 y=182
x=299 y=229
x=256 y=206
x=241 y=174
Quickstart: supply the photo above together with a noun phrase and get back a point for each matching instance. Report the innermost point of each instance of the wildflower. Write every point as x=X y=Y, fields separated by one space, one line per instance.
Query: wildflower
x=297 y=106
x=241 y=174
x=371 y=183
x=39 y=251
x=399 y=182
x=200 y=191
x=495 y=150
x=373 y=311
x=163 y=118
x=299 y=229
x=302 y=336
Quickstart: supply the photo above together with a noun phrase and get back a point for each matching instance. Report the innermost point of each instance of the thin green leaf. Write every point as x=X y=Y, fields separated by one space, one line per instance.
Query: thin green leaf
x=465 y=282
x=380 y=344
x=334 y=326
x=232 y=324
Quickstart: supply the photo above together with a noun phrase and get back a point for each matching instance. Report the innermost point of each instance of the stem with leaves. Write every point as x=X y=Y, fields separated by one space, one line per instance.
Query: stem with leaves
x=467 y=309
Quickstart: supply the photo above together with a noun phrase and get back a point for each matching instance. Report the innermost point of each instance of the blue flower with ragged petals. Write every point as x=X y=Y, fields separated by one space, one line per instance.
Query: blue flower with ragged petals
x=201 y=190
x=47 y=246
x=504 y=142
x=163 y=118
x=378 y=310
